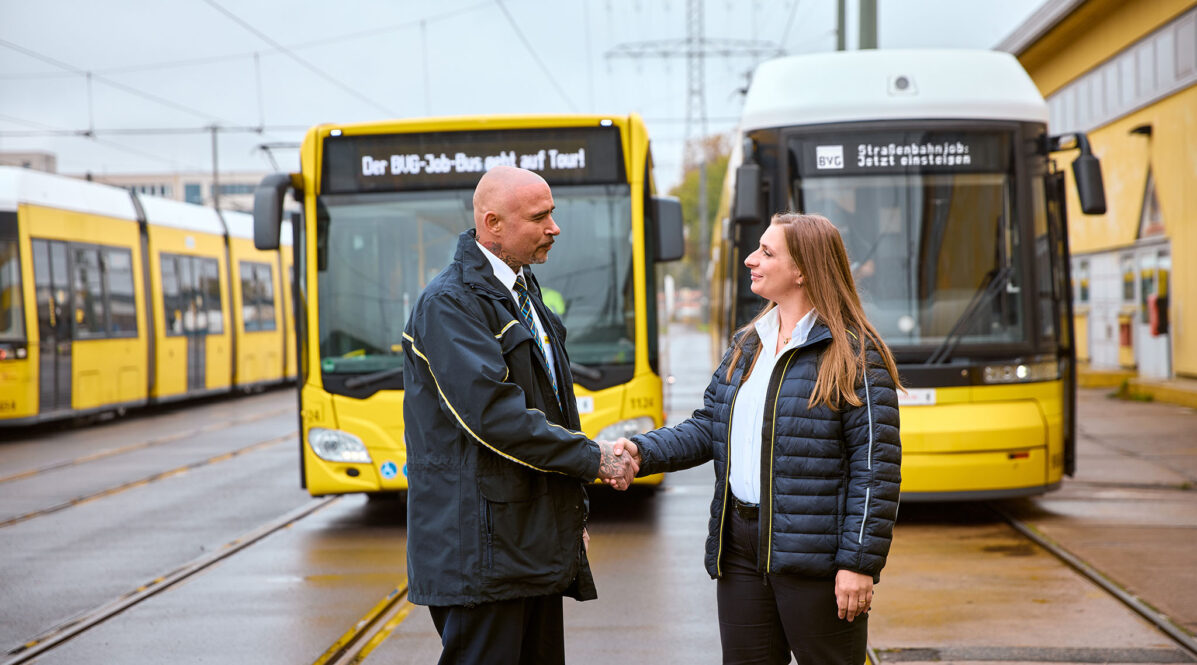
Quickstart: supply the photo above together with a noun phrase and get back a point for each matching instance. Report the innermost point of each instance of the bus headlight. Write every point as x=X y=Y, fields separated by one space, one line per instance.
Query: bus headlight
x=1046 y=370
x=337 y=446
x=626 y=428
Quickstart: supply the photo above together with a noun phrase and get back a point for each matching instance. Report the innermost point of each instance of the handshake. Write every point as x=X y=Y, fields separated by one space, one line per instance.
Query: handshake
x=619 y=462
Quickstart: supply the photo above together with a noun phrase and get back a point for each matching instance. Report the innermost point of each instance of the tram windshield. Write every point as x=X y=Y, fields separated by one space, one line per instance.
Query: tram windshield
x=376 y=252
x=931 y=240
x=12 y=315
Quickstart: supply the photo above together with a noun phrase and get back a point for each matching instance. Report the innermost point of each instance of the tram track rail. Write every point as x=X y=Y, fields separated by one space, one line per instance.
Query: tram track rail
x=1158 y=619
x=141 y=445
x=371 y=630
x=161 y=475
x=48 y=640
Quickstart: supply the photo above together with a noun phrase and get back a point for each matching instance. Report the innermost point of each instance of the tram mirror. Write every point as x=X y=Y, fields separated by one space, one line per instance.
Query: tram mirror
x=1087 y=170
x=268 y=209
x=747 y=206
x=671 y=244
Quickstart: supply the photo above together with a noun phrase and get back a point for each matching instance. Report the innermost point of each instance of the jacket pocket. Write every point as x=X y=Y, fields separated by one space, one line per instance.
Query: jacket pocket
x=522 y=542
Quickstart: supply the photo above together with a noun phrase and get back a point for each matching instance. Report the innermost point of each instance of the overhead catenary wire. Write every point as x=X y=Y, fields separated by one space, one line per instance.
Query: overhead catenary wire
x=535 y=56
x=109 y=82
x=47 y=130
x=304 y=63
x=246 y=55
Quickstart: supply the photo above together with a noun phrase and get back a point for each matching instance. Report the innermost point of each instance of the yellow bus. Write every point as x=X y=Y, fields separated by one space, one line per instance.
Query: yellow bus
x=936 y=166
x=383 y=204
x=110 y=300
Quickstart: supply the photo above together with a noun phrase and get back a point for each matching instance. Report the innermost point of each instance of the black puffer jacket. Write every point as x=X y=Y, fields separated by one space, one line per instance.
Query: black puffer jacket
x=829 y=480
x=496 y=465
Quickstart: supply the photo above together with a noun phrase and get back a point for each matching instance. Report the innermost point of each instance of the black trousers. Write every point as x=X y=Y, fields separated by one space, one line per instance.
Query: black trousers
x=765 y=619
x=524 y=631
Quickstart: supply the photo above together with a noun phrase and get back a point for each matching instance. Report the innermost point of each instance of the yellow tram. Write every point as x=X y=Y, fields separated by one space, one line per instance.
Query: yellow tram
x=936 y=166
x=111 y=300
x=383 y=204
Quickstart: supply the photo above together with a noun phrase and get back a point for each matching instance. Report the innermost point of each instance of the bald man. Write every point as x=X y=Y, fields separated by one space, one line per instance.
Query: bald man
x=496 y=464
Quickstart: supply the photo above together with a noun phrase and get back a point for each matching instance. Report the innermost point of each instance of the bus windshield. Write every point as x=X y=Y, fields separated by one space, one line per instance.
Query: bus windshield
x=933 y=255
x=376 y=252
x=12 y=314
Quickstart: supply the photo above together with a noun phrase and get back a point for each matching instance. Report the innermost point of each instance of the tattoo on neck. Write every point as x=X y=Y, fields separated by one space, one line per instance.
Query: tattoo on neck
x=496 y=248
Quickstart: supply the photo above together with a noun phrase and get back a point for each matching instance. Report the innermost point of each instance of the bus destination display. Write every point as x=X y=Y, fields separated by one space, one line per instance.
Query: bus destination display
x=440 y=160
x=907 y=152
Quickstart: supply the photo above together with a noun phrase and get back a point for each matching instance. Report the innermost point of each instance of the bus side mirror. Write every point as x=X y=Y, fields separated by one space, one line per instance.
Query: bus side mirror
x=671 y=243
x=268 y=209
x=747 y=205
x=1086 y=169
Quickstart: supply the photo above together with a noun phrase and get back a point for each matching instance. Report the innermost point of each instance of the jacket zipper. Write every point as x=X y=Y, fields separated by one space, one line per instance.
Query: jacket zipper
x=490 y=533
x=772 y=444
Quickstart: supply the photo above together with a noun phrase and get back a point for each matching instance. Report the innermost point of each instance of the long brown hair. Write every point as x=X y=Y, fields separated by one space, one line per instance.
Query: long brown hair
x=818 y=250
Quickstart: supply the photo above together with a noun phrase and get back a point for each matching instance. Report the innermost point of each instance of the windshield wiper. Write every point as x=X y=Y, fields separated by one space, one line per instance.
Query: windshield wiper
x=375 y=377
x=588 y=373
x=995 y=281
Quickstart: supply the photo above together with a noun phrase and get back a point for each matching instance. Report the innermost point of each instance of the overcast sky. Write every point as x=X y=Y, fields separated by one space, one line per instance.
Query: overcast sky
x=187 y=64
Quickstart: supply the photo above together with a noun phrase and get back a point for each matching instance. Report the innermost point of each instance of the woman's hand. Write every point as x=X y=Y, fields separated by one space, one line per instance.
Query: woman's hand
x=853 y=593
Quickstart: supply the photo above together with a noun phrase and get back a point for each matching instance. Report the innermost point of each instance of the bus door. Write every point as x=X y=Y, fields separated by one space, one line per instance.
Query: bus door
x=51 y=275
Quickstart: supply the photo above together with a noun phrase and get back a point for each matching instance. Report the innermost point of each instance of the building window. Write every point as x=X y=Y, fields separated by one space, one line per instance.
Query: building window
x=192 y=193
x=1082 y=282
x=1128 y=278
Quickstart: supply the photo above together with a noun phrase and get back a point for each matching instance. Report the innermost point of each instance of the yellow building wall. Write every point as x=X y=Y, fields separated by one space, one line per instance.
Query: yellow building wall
x=1097 y=31
x=1091 y=35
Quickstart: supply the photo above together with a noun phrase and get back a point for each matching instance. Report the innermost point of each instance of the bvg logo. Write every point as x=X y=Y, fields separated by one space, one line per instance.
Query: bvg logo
x=829 y=156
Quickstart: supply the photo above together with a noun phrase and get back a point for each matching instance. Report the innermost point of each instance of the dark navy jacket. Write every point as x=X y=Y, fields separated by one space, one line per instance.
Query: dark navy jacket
x=495 y=463
x=829 y=479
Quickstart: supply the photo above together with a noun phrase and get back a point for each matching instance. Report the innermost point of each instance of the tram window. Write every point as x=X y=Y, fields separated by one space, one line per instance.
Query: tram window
x=265 y=296
x=257 y=296
x=12 y=313
x=89 y=293
x=172 y=301
x=210 y=287
x=122 y=306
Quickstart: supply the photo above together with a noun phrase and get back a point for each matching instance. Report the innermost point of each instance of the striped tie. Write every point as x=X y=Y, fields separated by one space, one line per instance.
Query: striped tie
x=525 y=301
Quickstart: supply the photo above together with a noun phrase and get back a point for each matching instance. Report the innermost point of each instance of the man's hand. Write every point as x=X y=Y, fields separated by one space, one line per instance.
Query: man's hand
x=617 y=469
x=853 y=594
x=622 y=444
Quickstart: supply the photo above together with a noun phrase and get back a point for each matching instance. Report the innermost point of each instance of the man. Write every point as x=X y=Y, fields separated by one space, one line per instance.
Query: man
x=496 y=465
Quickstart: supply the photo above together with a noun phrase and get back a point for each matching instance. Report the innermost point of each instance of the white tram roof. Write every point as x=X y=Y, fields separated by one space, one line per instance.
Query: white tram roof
x=180 y=215
x=852 y=86
x=20 y=185
x=241 y=224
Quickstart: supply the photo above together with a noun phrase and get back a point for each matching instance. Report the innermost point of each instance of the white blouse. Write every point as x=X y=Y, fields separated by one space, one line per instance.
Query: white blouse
x=748 y=410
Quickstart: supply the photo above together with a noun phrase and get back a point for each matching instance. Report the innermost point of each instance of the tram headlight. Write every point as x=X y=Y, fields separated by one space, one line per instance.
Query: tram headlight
x=1045 y=370
x=626 y=428
x=337 y=446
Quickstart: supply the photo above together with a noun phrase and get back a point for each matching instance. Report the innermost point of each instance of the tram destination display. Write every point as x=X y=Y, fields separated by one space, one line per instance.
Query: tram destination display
x=901 y=152
x=450 y=160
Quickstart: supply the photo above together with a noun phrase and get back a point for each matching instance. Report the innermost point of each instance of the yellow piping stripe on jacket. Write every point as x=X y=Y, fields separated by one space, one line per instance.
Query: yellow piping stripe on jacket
x=772 y=441
x=455 y=415
x=504 y=330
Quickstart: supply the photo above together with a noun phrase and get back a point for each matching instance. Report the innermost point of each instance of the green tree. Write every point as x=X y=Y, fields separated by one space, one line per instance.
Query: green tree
x=691 y=270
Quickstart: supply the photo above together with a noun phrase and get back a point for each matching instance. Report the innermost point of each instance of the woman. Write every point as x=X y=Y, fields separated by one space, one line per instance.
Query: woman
x=801 y=419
